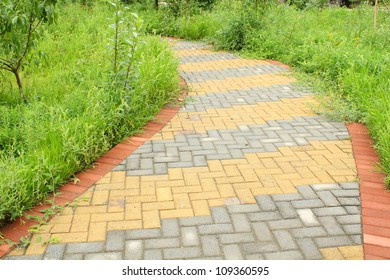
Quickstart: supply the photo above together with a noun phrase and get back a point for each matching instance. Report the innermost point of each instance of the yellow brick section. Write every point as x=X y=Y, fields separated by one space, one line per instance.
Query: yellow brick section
x=238 y=83
x=232 y=118
x=220 y=64
x=142 y=201
x=343 y=253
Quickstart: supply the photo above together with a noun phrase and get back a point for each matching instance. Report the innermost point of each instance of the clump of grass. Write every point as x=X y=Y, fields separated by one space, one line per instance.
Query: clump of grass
x=73 y=113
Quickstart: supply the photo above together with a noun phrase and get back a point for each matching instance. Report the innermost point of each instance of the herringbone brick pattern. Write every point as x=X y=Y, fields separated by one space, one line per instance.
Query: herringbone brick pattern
x=245 y=170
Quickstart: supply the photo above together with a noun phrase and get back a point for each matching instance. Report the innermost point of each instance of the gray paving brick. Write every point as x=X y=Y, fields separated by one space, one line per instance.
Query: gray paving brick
x=309 y=249
x=115 y=240
x=240 y=223
x=350 y=185
x=329 y=211
x=243 y=208
x=232 y=252
x=328 y=198
x=308 y=232
x=210 y=245
x=333 y=241
x=349 y=201
x=285 y=255
x=30 y=257
x=170 y=227
x=353 y=229
x=285 y=224
x=190 y=236
x=104 y=256
x=55 y=252
x=220 y=215
x=307 y=192
x=90 y=247
x=325 y=187
x=133 y=250
x=331 y=225
x=262 y=231
x=286 y=210
x=285 y=240
x=255 y=257
x=286 y=197
x=357 y=239
x=259 y=247
x=353 y=210
x=181 y=253
x=143 y=233
x=162 y=243
x=349 y=219
x=153 y=255
x=307 y=217
x=215 y=229
x=195 y=221
x=307 y=203
x=264 y=216
x=346 y=193
x=74 y=257
x=236 y=238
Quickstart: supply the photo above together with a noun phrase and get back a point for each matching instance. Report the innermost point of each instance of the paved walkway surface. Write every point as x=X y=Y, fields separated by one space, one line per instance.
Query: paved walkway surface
x=245 y=170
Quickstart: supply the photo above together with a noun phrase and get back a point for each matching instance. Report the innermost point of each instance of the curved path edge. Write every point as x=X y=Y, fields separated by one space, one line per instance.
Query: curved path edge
x=87 y=178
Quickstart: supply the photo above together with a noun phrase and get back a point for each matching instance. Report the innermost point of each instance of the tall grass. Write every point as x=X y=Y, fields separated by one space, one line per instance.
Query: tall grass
x=74 y=114
x=335 y=47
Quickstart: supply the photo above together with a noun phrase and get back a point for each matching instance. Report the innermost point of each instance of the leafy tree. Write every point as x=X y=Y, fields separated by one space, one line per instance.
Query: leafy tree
x=19 y=25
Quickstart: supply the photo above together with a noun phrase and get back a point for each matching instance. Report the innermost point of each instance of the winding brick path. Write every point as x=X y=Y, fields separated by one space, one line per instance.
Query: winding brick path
x=244 y=170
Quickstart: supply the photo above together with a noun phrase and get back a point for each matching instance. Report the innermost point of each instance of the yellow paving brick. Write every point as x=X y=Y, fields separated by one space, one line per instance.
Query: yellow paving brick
x=352 y=252
x=154 y=178
x=158 y=205
x=91 y=209
x=247 y=185
x=118 y=177
x=17 y=252
x=245 y=195
x=62 y=219
x=141 y=198
x=204 y=195
x=229 y=180
x=208 y=185
x=231 y=170
x=36 y=249
x=219 y=64
x=261 y=191
x=148 y=188
x=132 y=182
x=182 y=201
x=80 y=222
x=116 y=204
x=110 y=186
x=105 y=179
x=180 y=213
x=97 y=231
x=46 y=228
x=191 y=179
x=215 y=165
x=176 y=183
x=70 y=237
x=133 y=211
x=164 y=194
x=187 y=189
x=218 y=202
x=226 y=190
x=249 y=175
x=151 y=219
x=122 y=193
x=100 y=197
x=59 y=228
x=105 y=217
x=175 y=174
x=331 y=254
x=124 y=225
x=201 y=208
x=68 y=211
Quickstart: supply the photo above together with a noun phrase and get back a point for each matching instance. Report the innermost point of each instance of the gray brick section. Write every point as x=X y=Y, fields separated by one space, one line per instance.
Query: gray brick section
x=133 y=250
x=162 y=243
x=309 y=249
x=285 y=240
x=210 y=245
x=190 y=236
x=115 y=240
x=236 y=238
x=286 y=210
x=232 y=252
x=104 y=256
x=182 y=253
x=266 y=203
x=220 y=215
x=170 y=227
x=90 y=247
x=54 y=252
x=240 y=223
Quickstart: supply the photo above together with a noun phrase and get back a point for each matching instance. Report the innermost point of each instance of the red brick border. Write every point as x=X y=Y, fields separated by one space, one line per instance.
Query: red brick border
x=374 y=197
x=68 y=192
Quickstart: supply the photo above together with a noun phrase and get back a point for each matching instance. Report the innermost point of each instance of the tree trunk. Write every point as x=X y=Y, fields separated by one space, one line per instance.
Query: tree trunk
x=156 y=4
x=19 y=82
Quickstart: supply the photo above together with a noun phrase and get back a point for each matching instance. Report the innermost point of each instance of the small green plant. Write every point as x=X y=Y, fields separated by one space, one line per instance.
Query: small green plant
x=19 y=32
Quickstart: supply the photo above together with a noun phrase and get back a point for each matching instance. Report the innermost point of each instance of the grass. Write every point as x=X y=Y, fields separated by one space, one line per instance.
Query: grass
x=335 y=48
x=74 y=113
